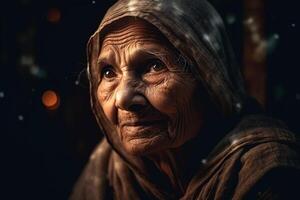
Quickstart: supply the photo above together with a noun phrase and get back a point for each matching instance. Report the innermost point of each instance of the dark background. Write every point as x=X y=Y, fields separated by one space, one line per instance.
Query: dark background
x=43 y=48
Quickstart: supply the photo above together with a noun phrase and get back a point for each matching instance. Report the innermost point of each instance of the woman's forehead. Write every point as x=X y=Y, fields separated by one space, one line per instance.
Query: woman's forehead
x=131 y=50
x=134 y=27
x=132 y=30
x=132 y=35
x=137 y=36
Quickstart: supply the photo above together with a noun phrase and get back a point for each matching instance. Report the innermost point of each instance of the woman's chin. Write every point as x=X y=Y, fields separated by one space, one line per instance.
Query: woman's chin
x=145 y=146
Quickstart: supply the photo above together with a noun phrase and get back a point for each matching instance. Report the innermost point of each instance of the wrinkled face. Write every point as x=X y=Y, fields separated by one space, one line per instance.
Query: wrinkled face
x=145 y=93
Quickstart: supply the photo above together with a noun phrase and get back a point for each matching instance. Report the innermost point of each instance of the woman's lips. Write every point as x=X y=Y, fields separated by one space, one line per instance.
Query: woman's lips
x=140 y=129
x=142 y=123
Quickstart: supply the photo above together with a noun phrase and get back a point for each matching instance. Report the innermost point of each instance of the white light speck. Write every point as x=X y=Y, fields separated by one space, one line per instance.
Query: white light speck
x=131 y=5
x=2 y=95
x=276 y=36
x=76 y=82
x=206 y=37
x=250 y=20
x=238 y=107
x=93 y=2
x=234 y=142
x=203 y=161
x=20 y=117
x=34 y=70
x=293 y=25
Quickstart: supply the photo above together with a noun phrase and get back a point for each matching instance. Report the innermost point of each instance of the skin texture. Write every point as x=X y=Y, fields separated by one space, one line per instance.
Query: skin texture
x=147 y=95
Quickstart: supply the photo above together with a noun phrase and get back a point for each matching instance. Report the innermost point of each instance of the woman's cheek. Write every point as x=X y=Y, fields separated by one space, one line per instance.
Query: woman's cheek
x=175 y=98
x=106 y=100
x=161 y=98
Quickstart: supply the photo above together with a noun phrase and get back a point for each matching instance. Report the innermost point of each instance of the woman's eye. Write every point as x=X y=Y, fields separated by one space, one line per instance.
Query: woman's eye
x=156 y=66
x=108 y=72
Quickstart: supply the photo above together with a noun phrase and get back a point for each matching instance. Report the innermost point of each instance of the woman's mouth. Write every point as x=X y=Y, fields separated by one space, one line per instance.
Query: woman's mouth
x=142 y=129
x=143 y=123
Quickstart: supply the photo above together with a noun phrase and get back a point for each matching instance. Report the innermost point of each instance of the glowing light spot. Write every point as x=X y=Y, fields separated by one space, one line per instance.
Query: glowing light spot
x=234 y=141
x=276 y=36
x=50 y=100
x=2 y=95
x=20 y=117
x=203 y=161
x=131 y=5
x=259 y=50
x=34 y=70
x=37 y=71
x=206 y=37
x=239 y=106
x=54 y=15
x=250 y=20
x=77 y=82
x=93 y=2
x=293 y=25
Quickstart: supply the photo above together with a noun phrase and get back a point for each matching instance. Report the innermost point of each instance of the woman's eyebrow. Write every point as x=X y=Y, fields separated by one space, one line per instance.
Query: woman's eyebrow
x=141 y=56
x=106 y=56
x=102 y=60
x=150 y=53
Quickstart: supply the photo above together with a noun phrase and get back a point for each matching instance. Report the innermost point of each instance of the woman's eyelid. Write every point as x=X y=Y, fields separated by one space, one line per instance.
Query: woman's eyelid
x=104 y=67
x=156 y=62
x=106 y=60
x=104 y=64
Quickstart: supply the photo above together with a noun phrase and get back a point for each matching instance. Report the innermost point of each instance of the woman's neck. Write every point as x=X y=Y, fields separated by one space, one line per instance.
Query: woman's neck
x=179 y=165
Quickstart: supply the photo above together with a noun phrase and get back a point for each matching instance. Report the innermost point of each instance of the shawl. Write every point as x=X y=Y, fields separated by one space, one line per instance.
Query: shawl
x=248 y=146
x=235 y=169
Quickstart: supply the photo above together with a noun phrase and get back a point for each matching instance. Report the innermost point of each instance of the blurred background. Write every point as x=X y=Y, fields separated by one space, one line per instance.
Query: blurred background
x=45 y=117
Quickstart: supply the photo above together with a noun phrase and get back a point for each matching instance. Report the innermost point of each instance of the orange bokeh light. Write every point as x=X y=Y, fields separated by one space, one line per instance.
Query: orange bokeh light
x=54 y=15
x=50 y=99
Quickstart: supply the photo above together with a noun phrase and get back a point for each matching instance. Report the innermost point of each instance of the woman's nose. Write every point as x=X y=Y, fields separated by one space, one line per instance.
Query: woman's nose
x=129 y=99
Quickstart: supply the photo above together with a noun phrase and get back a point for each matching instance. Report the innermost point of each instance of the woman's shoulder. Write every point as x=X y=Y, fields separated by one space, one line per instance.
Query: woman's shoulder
x=93 y=182
x=270 y=162
x=257 y=152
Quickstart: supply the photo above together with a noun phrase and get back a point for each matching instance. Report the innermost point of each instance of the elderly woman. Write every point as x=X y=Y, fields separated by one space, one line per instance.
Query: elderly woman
x=178 y=125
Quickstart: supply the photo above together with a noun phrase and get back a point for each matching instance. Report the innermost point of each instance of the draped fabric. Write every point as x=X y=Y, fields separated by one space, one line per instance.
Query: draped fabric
x=233 y=170
x=248 y=146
